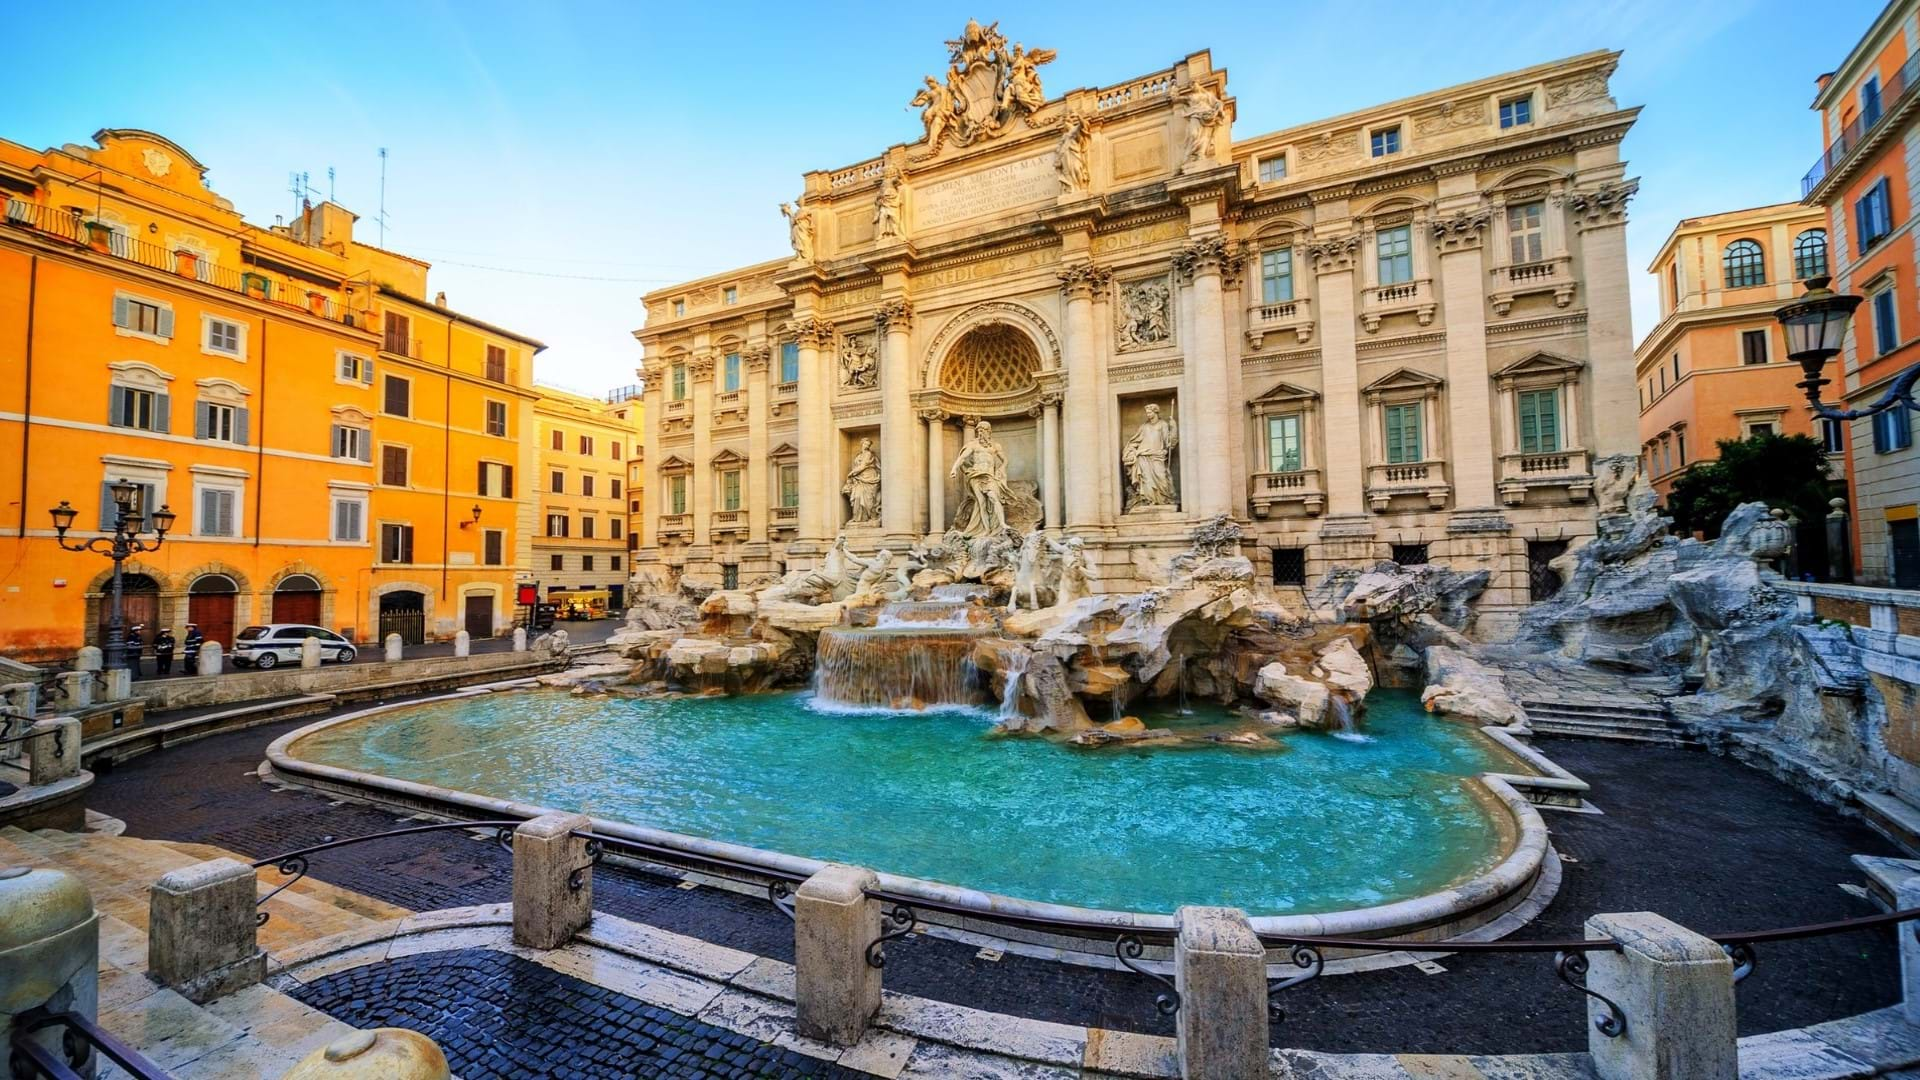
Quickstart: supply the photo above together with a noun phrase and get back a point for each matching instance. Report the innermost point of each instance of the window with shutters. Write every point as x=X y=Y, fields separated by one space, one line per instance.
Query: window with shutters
x=1276 y=275
x=493 y=548
x=139 y=316
x=219 y=423
x=496 y=418
x=557 y=525
x=614 y=492
x=557 y=482
x=396 y=543
x=676 y=494
x=586 y=485
x=1886 y=321
x=1872 y=216
x=613 y=528
x=393 y=466
x=496 y=363
x=586 y=526
x=349 y=519
x=613 y=562
x=586 y=564
x=1403 y=433
x=1539 y=421
x=789 y=362
x=586 y=445
x=216 y=511
x=222 y=337
x=1832 y=436
x=352 y=369
x=1395 y=250
x=557 y=439
x=496 y=480
x=730 y=489
x=1526 y=232
x=789 y=486
x=133 y=407
x=556 y=563
x=397 y=336
x=352 y=443
x=147 y=489
x=1753 y=347
x=398 y=399
x=1892 y=430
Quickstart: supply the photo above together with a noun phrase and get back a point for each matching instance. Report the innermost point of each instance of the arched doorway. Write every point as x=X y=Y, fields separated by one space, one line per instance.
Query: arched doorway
x=210 y=606
x=139 y=600
x=404 y=612
x=297 y=600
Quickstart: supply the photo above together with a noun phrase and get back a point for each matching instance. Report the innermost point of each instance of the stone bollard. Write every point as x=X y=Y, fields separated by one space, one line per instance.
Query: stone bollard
x=1905 y=898
x=89 y=658
x=1220 y=971
x=380 y=1054
x=75 y=689
x=1675 y=988
x=49 y=953
x=834 y=920
x=546 y=911
x=395 y=648
x=463 y=644
x=116 y=685
x=310 y=653
x=21 y=697
x=213 y=659
x=519 y=639
x=54 y=746
x=201 y=930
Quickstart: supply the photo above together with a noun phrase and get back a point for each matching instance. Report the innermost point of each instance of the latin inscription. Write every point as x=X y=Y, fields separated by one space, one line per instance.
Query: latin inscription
x=1159 y=232
x=984 y=268
x=840 y=301
x=989 y=191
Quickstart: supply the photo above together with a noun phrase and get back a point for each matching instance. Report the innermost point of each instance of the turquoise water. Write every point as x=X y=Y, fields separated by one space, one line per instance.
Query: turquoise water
x=1323 y=824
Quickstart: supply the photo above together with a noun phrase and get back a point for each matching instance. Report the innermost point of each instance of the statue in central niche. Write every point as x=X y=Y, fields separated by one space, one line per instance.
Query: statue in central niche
x=982 y=468
x=862 y=488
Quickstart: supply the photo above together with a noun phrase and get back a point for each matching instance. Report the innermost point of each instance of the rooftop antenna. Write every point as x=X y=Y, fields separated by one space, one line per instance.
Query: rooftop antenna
x=329 y=183
x=382 y=218
x=297 y=183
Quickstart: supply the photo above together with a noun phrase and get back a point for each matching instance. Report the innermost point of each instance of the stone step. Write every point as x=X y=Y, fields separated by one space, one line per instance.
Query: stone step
x=1631 y=723
x=1599 y=729
x=1643 y=712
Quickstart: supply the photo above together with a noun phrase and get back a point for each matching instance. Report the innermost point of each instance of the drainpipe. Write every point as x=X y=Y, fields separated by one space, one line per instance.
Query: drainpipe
x=446 y=469
x=26 y=425
x=259 y=437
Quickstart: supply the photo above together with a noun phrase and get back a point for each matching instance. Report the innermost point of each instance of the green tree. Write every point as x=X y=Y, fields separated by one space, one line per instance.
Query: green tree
x=1787 y=472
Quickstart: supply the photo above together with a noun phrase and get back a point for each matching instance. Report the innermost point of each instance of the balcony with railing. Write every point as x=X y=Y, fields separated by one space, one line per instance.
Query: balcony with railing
x=1416 y=479
x=675 y=527
x=1526 y=475
x=630 y=392
x=61 y=225
x=728 y=523
x=1893 y=95
x=1402 y=297
x=1279 y=316
x=1510 y=282
x=1277 y=494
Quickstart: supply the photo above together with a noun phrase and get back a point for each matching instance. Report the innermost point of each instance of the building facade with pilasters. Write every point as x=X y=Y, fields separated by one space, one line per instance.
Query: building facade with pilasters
x=1399 y=333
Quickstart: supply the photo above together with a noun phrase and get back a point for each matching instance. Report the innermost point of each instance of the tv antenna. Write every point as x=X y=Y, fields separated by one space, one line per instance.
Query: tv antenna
x=329 y=183
x=381 y=217
x=302 y=190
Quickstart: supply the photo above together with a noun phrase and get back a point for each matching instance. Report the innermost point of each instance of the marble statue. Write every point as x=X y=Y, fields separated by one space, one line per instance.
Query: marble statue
x=862 y=488
x=1026 y=572
x=1023 y=79
x=1148 y=458
x=1070 y=571
x=988 y=85
x=983 y=469
x=1145 y=314
x=799 y=230
x=1203 y=113
x=886 y=208
x=937 y=110
x=859 y=362
x=1071 y=155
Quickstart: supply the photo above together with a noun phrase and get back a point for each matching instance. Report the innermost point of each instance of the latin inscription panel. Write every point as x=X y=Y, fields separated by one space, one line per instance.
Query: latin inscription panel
x=984 y=193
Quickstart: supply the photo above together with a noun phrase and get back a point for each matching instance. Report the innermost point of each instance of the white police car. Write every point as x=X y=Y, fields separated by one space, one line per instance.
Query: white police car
x=280 y=643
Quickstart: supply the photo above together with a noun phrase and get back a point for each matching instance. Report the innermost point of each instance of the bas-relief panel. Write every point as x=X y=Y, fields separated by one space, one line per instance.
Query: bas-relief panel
x=989 y=191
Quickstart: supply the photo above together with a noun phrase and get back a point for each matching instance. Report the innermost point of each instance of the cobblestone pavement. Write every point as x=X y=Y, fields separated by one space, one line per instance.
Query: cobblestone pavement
x=1701 y=839
x=499 y=1015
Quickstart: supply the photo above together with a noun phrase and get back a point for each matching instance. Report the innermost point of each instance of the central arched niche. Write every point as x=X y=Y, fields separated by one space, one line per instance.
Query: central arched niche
x=991 y=373
x=991 y=361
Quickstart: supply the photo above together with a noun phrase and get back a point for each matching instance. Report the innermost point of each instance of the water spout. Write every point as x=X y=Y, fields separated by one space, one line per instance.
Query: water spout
x=1010 y=697
x=895 y=669
x=1342 y=714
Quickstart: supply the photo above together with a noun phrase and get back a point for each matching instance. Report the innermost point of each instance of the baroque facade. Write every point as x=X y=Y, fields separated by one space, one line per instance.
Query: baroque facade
x=1398 y=333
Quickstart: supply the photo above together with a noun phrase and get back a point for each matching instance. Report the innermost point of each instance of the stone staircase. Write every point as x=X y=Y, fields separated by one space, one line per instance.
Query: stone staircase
x=1621 y=721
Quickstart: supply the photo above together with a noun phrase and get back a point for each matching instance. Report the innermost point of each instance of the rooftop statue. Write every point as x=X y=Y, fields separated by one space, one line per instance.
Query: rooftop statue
x=988 y=85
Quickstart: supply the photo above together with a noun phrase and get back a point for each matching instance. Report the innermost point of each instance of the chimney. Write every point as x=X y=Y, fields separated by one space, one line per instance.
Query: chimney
x=440 y=298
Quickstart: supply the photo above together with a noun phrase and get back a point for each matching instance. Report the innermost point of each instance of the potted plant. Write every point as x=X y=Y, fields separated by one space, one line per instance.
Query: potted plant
x=99 y=235
x=186 y=263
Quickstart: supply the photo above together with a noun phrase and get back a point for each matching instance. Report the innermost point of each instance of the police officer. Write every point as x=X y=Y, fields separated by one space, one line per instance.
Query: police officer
x=136 y=644
x=190 y=649
x=163 y=653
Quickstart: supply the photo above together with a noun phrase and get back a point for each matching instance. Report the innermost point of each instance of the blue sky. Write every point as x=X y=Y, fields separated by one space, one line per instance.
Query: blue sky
x=537 y=148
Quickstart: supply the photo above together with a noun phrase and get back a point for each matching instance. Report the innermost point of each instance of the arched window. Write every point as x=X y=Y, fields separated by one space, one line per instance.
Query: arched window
x=1810 y=254
x=1745 y=264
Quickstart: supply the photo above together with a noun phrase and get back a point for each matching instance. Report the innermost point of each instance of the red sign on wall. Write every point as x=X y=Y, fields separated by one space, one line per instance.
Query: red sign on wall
x=529 y=594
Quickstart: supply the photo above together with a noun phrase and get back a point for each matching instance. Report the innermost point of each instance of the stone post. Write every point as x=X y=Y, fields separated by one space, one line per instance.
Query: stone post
x=200 y=930
x=1220 y=970
x=88 y=659
x=894 y=320
x=310 y=653
x=22 y=697
x=700 y=499
x=835 y=990
x=462 y=644
x=76 y=689
x=213 y=659
x=395 y=648
x=378 y=1054
x=115 y=685
x=1675 y=988
x=54 y=746
x=519 y=639
x=51 y=957
x=1839 y=542
x=1905 y=898
x=1081 y=405
x=546 y=911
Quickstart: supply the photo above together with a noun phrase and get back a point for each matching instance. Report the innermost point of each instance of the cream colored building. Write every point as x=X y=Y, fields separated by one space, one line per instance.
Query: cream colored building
x=1398 y=333
x=584 y=446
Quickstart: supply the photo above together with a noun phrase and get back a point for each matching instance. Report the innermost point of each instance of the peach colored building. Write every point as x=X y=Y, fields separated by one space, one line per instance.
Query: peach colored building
x=1715 y=367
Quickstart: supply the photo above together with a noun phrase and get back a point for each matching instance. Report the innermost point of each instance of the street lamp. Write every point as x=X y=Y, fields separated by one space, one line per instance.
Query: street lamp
x=122 y=545
x=1816 y=327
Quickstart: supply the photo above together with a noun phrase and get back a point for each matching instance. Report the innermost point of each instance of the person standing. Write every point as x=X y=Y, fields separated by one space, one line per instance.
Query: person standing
x=190 y=650
x=136 y=643
x=163 y=653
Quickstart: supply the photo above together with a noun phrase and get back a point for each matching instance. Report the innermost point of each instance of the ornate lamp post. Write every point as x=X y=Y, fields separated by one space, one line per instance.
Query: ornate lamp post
x=1816 y=327
x=122 y=545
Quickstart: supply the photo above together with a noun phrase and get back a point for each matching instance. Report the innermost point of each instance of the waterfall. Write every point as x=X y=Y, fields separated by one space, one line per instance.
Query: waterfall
x=895 y=669
x=930 y=615
x=1343 y=726
x=1010 y=697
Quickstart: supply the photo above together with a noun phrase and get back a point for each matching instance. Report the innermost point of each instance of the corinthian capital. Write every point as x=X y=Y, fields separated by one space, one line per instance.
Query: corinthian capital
x=812 y=333
x=894 y=315
x=701 y=365
x=1084 y=281
x=757 y=356
x=1209 y=254
x=1335 y=255
x=1604 y=205
x=1463 y=231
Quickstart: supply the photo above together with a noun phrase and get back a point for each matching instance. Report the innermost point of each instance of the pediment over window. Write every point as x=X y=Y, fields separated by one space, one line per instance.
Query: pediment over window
x=1404 y=379
x=728 y=457
x=1540 y=367
x=348 y=414
x=139 y=373
x=222 y=389
x=1286 y=393
x=676 y=463
x=785 y=451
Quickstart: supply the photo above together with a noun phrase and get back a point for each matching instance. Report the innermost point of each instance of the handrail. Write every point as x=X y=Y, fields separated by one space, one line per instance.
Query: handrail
x=79 y=1036
x=295 y=862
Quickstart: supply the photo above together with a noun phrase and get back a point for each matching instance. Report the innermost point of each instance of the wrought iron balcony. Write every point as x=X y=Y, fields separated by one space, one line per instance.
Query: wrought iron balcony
x=1379 y=301
x=1277 y=316
x=1424 y=479
x=1272 y=493
x=1892 y=96
x=1554 y=275
x=1522 y=474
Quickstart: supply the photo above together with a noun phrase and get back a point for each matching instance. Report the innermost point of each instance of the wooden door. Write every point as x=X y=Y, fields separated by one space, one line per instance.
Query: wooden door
x=213 y=614
x=297 y=607
x=479 y=616
x=139 y=604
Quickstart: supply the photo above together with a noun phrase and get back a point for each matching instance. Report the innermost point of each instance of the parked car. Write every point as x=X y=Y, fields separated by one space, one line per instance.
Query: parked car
x=277 y=643
x=543 y=616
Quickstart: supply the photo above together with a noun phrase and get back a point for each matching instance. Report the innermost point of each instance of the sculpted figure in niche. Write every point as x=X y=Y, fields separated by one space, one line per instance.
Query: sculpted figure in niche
x=937 y=111
x=859 y=366
x=799 y=230
x=1203 y=113
x=886 y=208
x=982 y=468
x=1148 y=459
x=1145 y=318
x=862 y=488
x=1071 y=157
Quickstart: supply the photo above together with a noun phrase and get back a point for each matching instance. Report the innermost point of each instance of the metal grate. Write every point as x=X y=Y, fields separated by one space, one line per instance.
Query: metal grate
x=1289 y=566
x=1542 y=580
x=1410 y=554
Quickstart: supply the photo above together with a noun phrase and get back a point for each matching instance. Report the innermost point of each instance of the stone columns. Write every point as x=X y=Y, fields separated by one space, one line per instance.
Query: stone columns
x=1471 y=454
x=1206 y=421
x=547 y=909
x=758 y=475
x=894 y=320
x=54 y=746
x=1339 y=373
x=1220 y=971
x=835 y=990
x=936 y=470
x=1081 y=404
x=818 y=491
x=700 y=504
x=1675 y=988
x=1050 y=459
x=200 y=930
x=653 y=487
x=1600 y=215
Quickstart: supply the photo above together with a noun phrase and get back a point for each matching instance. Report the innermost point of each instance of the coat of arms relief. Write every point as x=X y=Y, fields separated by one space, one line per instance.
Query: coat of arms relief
x=989 y=84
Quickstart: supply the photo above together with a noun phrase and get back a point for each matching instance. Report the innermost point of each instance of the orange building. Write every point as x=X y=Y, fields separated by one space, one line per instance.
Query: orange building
x=339 y=451
x=1716 y=365
x=1864 y=183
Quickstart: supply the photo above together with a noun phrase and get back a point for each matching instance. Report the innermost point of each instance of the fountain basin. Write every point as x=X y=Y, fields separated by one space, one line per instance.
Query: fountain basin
x=1021 y=828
